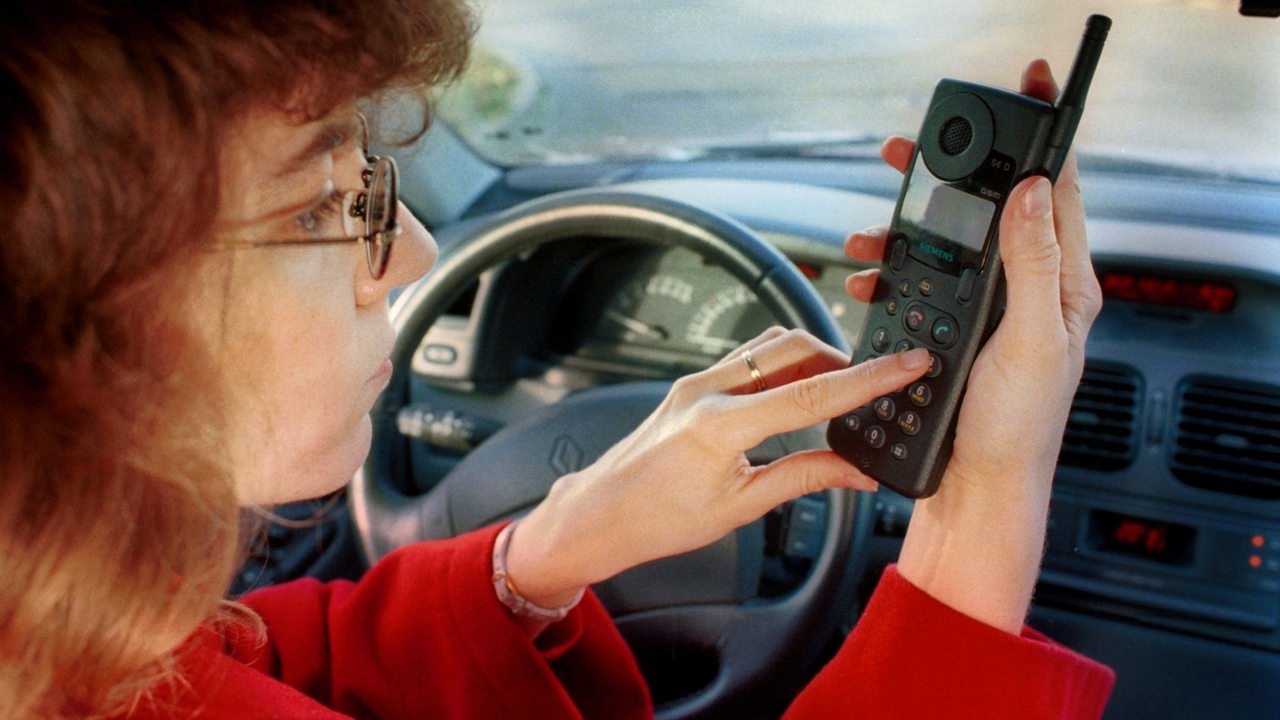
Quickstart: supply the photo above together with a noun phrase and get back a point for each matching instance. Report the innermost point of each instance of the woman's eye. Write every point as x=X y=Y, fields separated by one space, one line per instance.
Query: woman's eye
x=318 y=217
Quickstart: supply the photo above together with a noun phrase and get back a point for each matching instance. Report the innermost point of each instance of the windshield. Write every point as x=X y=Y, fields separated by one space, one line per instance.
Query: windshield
x=1181 y=82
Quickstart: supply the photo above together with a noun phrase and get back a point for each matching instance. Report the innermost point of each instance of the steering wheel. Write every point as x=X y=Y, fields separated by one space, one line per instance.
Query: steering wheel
x=704 y=600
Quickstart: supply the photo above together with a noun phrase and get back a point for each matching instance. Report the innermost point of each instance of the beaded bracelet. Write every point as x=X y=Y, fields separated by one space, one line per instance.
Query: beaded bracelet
x=510 y=596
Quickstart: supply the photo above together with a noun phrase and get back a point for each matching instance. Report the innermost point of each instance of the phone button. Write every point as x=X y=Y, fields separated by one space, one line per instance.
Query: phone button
x=968 y=277
x=885 y=409
x=945 y=332
x=880 y=339
x=898 y=256
x=910 y=422
x=935 y=366
x=899 y=451
x=876 y=437
x=915 y=317
x=920 y=394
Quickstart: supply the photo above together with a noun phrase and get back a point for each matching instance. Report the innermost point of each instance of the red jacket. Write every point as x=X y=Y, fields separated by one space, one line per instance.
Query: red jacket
x=422 y=635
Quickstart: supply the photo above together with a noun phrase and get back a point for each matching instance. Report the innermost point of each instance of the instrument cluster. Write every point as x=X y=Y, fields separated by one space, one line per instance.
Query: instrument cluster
x=673 y=311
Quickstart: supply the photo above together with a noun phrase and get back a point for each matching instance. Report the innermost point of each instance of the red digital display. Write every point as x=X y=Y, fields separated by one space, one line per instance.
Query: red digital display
x=1141 y=537
x=1201 y=295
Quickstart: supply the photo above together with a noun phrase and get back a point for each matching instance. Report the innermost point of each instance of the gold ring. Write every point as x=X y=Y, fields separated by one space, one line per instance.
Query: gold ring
x=755 y=371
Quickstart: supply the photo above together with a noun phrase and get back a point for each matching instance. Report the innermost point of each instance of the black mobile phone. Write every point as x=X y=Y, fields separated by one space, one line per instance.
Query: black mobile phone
x=941 y=279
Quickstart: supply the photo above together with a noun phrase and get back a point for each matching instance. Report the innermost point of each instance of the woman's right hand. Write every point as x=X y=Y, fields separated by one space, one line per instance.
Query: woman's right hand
x=682 y=480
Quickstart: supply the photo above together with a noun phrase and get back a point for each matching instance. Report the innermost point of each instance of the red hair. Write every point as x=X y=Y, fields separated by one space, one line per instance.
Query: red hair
x=118 y=523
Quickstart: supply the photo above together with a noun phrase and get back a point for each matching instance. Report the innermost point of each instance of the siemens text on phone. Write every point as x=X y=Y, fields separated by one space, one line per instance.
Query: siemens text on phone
x=941 y=279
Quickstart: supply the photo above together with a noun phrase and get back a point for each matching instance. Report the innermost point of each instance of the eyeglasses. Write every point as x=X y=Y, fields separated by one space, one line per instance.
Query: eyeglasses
x=368 y=215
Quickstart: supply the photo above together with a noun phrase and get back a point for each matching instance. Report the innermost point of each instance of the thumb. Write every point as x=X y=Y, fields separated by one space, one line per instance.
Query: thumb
x=802 y=473
x=1029 y=248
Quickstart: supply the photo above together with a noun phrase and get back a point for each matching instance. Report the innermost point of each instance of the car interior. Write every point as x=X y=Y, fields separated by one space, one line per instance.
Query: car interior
x=584 y=268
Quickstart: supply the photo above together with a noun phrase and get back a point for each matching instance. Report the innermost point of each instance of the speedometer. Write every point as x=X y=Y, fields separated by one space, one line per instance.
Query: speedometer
x=642 y=312
x=727 y=319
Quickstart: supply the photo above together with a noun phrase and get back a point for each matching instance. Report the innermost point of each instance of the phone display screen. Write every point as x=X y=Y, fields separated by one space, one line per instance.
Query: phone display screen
x=945 y=213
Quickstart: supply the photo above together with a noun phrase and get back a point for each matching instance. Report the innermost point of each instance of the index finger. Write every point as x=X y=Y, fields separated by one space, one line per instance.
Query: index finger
x=812 y=400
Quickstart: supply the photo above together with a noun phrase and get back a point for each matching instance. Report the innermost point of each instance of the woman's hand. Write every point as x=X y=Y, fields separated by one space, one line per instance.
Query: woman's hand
x=976 y=545
x=682 y=480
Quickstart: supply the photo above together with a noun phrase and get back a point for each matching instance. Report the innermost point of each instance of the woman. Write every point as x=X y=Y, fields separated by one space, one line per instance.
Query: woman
x=195 y=278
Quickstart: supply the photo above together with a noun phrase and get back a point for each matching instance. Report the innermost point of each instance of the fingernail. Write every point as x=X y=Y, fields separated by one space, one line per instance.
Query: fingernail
x=914 y=359
x=1038 y=200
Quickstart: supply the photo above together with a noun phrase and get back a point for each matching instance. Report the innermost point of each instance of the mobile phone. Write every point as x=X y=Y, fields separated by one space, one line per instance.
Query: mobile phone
x=941 y=282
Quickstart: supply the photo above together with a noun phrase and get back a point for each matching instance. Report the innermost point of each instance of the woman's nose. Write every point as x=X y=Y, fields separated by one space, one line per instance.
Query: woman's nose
x=416 y=250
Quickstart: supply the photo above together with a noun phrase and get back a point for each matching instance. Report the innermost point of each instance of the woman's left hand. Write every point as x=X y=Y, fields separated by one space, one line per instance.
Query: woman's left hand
x=976 y=545
x=682 y=479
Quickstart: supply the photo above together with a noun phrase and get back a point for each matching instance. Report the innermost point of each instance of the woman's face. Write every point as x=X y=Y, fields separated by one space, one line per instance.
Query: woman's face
x=301 y=332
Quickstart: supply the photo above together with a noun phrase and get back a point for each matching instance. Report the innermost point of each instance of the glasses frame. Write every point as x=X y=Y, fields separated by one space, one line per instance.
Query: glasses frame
x=377 y=244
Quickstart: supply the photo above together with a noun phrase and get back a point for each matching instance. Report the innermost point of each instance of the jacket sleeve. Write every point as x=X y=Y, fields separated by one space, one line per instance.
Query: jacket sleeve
x=911 y=656
x=423 y=634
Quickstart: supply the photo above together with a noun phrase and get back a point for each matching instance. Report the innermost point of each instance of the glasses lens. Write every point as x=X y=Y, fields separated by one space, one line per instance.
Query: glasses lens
x=378 y=251
x=381 y=213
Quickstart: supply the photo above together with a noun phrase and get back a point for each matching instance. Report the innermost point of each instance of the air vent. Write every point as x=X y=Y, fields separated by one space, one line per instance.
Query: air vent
x=1102 y=428
x=1228 y=437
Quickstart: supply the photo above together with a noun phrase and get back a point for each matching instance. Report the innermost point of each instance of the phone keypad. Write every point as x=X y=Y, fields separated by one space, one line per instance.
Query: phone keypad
x=909 y=322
